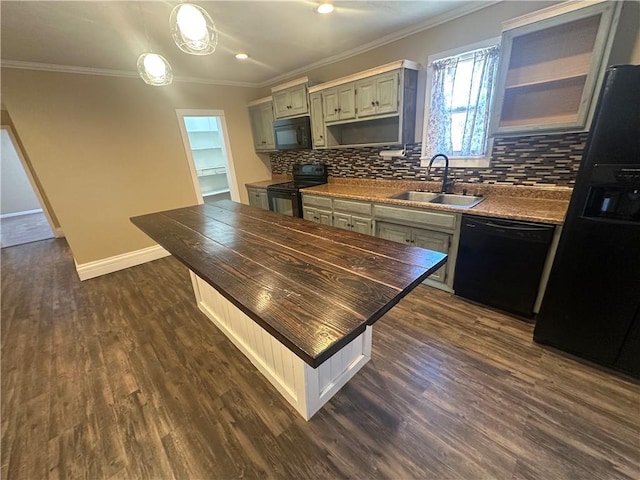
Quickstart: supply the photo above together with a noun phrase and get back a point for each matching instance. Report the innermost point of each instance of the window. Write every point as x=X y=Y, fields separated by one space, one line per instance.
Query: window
x=458 y=102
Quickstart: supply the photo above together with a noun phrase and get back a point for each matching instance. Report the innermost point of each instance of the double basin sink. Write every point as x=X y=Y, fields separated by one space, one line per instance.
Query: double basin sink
x=448 y=199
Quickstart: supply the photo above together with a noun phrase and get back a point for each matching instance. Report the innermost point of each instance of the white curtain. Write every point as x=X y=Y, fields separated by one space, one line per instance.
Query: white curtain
x=478 y=96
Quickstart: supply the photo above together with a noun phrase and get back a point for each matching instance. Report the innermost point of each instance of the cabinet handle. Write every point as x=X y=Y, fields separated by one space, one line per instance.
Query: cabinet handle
x=321 y=136
x=377 y=103
x=335 y=110
x=373 y=104
x=408 y=241
x=339 y=109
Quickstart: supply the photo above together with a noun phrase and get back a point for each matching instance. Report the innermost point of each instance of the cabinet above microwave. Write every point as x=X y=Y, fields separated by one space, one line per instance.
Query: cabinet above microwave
x=291 y=99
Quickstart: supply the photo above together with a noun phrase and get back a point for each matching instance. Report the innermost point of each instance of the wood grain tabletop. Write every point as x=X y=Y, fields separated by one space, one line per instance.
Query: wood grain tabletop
x=313 y=287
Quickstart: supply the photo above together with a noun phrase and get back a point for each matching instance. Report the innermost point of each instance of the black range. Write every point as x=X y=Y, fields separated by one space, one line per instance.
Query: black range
x=286 y=198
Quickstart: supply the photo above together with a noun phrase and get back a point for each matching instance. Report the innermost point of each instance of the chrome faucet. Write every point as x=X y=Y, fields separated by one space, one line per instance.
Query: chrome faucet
x=445 y=180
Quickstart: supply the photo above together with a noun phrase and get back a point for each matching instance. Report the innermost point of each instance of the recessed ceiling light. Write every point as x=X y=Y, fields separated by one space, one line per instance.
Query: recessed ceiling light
x=324 y=8
x=242 y=56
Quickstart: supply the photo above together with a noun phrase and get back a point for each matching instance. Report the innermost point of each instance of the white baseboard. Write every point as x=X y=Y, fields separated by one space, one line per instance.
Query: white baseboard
x=120 y=262
x=19 y=214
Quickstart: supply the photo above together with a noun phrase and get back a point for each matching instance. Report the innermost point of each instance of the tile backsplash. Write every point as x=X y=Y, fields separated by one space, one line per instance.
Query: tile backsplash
x=527 y=160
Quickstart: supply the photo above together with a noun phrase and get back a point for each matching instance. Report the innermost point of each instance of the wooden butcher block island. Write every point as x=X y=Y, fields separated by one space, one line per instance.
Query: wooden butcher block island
x=297 y=298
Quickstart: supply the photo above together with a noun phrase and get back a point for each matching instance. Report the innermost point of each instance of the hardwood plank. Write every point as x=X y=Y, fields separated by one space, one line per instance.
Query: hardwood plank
x=342 y=238
x=372 y=265
x=454 y=390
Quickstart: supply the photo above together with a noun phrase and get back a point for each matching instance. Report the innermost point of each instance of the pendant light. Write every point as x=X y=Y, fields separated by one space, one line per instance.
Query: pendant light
x=193 y=29
x=154 y=69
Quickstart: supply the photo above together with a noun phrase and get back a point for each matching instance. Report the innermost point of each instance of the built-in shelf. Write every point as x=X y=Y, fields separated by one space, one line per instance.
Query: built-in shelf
x=207 y=148
x=215 y=192
x=551 y=67
x=211 y=171
x=549 y=81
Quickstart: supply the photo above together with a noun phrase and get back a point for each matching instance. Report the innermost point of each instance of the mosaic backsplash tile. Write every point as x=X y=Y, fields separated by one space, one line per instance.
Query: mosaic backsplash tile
x=531 y=160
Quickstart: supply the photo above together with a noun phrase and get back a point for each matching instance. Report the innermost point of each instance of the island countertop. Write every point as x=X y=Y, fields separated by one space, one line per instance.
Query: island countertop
x=314 y=288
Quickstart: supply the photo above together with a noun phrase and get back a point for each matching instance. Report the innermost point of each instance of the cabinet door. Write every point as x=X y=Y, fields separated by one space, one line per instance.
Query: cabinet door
x=263 y=200
x=393 y=232
x=341 y=220
x=325 y=217
x=366 y=97
x=317 y=119
x=266 y=117
x=346 y=101
x=387 y=93
x=331 y=105
x=361 y=225
x=298 y=100
x=255 y=116
x=436 y=241
x=311 y=214
x=281 y=103
x=253 y=196
x=258 y=197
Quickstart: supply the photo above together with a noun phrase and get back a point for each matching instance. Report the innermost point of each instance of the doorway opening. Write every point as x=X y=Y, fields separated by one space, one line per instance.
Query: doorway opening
x=206 y=144
x=22 y=217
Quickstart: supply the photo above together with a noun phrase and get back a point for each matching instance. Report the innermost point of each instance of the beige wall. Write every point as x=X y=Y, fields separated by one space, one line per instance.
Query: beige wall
x=108 y=148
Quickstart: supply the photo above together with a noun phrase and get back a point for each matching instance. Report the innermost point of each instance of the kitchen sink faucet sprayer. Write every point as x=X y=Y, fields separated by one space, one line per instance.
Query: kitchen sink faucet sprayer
x=445 y=182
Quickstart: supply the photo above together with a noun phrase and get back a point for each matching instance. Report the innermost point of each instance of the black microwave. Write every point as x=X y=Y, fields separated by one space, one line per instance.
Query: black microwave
x=292 y=133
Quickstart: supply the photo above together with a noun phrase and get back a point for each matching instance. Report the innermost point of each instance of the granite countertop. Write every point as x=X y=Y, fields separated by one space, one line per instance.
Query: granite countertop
x=527 y=203
x=266 y=183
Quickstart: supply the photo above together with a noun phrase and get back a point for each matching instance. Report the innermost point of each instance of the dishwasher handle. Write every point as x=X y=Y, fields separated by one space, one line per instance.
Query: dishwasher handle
x=532 y=232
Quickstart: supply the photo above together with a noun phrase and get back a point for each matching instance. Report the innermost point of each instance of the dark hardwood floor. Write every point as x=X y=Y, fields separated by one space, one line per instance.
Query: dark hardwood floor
x=122 y=377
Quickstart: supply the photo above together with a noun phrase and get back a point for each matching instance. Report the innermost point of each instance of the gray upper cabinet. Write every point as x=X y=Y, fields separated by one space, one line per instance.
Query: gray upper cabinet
x=317 y=120
x=374 y=107
x=339 y=103
x=291 y=99
x=378 y=95
x=261 y=116
x=551 y=67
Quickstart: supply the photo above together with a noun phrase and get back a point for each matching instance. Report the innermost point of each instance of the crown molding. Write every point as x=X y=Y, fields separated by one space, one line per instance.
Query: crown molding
x=392 y=37
x=49 y=67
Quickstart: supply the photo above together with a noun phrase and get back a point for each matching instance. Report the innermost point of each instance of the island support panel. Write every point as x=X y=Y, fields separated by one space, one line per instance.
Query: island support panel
x=304 y=387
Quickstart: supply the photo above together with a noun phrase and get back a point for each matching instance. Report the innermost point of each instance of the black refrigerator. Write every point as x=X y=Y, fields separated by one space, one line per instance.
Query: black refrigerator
x=591 y=306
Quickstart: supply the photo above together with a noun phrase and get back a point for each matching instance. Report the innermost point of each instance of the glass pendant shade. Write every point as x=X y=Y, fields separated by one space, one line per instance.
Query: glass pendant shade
x=193 y=30
x=154 y=69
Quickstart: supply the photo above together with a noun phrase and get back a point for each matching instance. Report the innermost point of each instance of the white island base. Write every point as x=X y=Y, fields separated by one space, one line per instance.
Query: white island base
x=304 y=387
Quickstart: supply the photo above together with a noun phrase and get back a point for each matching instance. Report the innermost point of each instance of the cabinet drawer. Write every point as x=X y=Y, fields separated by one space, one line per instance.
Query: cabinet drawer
x=323 y=202
x=357 y=208
x=441 y=220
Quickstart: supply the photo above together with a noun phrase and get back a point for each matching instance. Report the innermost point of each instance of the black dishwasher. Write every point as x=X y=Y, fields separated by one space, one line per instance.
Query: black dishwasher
x=500 y=262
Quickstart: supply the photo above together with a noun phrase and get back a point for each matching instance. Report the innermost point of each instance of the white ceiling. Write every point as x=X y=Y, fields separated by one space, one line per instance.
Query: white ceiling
x=281 y=37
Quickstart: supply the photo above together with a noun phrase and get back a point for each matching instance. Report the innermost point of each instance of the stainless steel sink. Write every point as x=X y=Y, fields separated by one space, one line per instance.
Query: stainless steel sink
x=415 y=196
x=449 y=199
x=460 y=201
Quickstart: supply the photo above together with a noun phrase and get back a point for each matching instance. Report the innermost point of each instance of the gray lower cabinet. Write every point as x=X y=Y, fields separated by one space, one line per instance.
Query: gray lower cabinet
x=353 y=216
x=258 y=197
x=317 y=215
x=353 y=223
x=317 y=209
x=438 y=231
